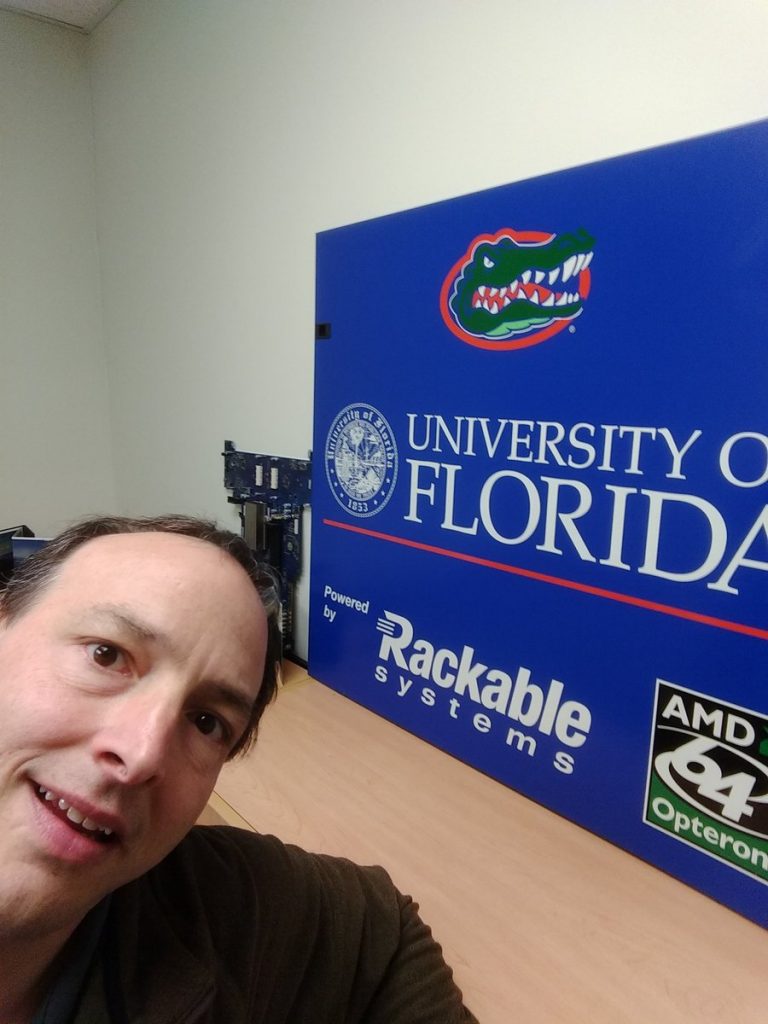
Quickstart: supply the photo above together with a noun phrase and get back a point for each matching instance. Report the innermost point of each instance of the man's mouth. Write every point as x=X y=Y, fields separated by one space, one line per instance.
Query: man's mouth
x=74 y=817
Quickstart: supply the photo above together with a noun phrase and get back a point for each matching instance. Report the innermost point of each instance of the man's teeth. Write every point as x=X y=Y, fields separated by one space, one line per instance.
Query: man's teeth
x=72 y=812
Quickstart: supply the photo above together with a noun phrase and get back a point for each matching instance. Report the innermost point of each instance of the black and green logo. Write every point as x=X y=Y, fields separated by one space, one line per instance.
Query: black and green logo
x=708 y=777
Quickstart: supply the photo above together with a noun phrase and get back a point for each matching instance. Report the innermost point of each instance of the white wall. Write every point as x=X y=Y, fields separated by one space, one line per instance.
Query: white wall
x=55 y=450
x=228 y=133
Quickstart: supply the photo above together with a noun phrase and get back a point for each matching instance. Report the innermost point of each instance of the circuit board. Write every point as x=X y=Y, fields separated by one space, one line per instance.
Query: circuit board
x=272 y=492
x=283 y=485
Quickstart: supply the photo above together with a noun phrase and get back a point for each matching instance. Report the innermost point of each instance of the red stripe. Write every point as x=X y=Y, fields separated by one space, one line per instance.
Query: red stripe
x=612 y=595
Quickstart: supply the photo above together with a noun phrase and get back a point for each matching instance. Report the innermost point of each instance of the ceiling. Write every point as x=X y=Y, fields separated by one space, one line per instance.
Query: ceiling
x=83 y=15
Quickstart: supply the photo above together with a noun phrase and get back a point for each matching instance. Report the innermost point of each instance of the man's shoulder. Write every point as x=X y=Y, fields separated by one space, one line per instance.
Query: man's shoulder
x=258 y=908
x=293 y=935
x=238 y=856
x=218 y=872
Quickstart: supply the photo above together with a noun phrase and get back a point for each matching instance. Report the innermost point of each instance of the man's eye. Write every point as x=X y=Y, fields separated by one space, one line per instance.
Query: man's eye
x=106 y=655
x=210 y=725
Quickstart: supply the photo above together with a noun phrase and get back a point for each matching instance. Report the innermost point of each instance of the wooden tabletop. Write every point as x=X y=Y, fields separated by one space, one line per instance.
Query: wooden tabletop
x=542 y=922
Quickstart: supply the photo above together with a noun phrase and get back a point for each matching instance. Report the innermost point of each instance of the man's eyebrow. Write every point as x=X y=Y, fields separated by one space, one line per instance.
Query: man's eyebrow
x=230 y=696
x=126 y=620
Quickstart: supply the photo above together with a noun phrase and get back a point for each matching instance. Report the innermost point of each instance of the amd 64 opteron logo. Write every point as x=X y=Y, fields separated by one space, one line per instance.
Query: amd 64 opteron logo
x=361 y=460
x=517 y=288
x=708 y=777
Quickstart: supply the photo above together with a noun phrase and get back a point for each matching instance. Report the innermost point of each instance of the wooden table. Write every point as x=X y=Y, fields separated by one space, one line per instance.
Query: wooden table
x=542 y=922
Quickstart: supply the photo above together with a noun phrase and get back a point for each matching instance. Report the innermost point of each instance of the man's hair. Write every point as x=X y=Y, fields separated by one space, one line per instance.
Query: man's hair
x=38 y=570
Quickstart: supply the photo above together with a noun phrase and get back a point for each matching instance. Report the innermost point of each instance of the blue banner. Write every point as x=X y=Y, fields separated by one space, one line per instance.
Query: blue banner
x=540 y=529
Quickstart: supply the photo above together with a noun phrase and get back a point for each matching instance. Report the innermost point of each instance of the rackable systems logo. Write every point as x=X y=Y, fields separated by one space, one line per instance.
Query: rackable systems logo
x=513 y=289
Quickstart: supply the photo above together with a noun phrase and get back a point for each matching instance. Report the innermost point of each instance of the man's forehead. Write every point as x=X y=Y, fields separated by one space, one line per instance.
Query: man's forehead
x=163 y=558
x=147 y=565
x=146 y=546
x=153 y=578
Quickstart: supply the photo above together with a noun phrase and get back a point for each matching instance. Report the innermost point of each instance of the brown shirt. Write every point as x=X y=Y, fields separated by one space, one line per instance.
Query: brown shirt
x=234 y=927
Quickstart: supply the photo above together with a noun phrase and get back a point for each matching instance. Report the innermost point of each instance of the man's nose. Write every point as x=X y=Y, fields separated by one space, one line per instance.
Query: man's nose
x=136 y=739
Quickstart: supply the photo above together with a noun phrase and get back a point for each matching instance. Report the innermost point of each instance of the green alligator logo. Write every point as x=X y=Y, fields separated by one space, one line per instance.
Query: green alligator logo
x=517 y=288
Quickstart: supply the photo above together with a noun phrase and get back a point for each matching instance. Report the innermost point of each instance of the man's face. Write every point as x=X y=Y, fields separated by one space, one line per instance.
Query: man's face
x=123 y=688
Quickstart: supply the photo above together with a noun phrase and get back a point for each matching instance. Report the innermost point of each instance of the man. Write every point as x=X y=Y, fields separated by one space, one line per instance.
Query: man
x=136 y=657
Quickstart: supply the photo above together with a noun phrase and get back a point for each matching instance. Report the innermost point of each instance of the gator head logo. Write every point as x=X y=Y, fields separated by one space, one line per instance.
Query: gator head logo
x=517 y=288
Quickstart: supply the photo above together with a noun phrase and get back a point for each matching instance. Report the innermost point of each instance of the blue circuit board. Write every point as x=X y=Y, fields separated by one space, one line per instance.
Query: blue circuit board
x=283 y=485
